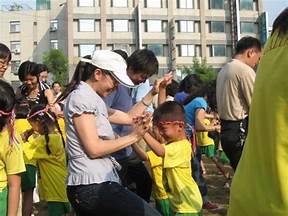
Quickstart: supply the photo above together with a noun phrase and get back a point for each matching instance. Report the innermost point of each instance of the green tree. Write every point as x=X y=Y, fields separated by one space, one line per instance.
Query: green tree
x=57 y=64
x=15 y=7
x=203 y=70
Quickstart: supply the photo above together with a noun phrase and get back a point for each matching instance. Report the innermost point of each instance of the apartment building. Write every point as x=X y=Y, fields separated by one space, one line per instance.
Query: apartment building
x=175 y=30
x=30 y=33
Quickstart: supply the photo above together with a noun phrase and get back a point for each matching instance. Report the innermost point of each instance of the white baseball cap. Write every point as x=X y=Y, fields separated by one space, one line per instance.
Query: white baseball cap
x=112 y=62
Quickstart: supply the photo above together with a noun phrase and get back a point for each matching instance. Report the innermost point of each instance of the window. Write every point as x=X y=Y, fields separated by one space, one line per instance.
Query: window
x=186 y=26
x=216 y=4
x=54 y=44
x=157 y=49
x=246 y=4
x=53 y=25
x=153 y=3
x=247 y=27
x=124 y=47
x=187 y=50
x=86 y=49
x=154 y=26
x=15 y=47
x=85 y=3
x=15 y=66
x=218 y=50
x=217 y=26
x=120 y=26
x=15 y=26
x=119 y=3
x=186 y=3
x=86 y=25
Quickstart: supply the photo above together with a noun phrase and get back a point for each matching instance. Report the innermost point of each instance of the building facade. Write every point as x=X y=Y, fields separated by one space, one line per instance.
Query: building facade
x=175 y=30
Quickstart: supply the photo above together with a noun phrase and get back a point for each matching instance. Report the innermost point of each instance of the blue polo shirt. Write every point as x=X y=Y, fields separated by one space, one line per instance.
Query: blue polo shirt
x=121 y=99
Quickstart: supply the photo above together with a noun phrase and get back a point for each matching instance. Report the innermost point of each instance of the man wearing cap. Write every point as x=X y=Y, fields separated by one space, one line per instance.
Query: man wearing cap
x=141 y=65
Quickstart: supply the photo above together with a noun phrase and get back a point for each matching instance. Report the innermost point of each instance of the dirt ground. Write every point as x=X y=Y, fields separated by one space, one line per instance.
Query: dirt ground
x=216 y=191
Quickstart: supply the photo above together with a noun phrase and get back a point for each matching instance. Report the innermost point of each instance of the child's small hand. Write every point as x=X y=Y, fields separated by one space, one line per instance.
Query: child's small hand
x=26 y=134
x=141 y=124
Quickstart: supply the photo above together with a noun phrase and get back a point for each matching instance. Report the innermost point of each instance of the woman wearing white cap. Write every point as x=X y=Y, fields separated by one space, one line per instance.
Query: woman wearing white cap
x=93 y=185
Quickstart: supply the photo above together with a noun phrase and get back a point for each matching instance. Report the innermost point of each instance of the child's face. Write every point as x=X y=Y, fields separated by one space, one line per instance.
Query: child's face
x=4 y=63
x=36 y=126
x=169 y=131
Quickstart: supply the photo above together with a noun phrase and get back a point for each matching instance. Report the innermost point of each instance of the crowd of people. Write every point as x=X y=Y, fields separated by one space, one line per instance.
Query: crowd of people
x=110 y=141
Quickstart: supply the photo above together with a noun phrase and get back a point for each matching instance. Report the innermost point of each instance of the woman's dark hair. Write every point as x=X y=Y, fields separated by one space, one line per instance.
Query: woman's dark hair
x=208 y=90
x=172 y=88
x=7 y=103
x=46 y=118
x=169 y=111
x=82 y=72
x=54 y=83
x=190 y=84
x=40 y=68
x=27 y=68
x=281 y=23
x=5 y=53
x=22 y=107
x=122 y=53
x=143 y=61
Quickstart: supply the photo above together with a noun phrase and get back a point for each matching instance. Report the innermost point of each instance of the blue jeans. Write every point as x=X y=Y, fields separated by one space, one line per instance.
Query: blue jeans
x=107 y=199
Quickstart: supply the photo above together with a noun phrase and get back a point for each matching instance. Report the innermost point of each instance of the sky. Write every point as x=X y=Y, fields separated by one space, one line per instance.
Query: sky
x=273 y=7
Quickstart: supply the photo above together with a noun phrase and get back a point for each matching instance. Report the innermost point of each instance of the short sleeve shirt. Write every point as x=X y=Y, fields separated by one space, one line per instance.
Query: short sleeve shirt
x=192 y=106
x=11 y=159
x=81 y=168
x=183 y=192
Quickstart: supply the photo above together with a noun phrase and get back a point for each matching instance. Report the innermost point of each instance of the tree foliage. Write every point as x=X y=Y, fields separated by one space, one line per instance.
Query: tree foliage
x=15 y=7
x=57 y=64
x=203 y=70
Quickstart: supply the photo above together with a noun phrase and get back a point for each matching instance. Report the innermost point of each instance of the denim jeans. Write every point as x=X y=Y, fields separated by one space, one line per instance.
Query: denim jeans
x=107 y=199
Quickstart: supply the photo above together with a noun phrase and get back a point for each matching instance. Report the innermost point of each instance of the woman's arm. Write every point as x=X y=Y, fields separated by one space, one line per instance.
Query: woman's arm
x=14 y=182
x=155 y=146
x=119 y=117
x=200 y=115
x=94 y=146
x=50 y=97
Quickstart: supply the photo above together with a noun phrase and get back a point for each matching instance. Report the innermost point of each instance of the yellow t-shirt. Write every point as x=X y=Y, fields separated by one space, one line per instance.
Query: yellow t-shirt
x=260 y=184
x=52 y=167
x=156 y=165
x=61 y=123
x=202 y=137
x=183 y=192
x=21 y=125
x=11 y=158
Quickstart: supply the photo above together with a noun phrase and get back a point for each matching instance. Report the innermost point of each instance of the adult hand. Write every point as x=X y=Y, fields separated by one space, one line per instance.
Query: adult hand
x=162 y=82
x=141 y=124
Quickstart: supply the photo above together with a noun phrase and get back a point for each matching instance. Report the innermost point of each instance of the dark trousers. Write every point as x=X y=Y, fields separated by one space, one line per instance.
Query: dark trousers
x=134 y=171
x=233 y=135
x=107 y=199
x=197 y=173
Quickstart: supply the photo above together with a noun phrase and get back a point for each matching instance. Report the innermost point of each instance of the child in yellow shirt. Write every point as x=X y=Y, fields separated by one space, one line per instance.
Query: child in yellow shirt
x=48 y=150
x=11 y=155
x=184 y=195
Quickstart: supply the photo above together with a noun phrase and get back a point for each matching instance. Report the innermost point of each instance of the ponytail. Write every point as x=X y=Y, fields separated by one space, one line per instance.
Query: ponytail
x=82 y=72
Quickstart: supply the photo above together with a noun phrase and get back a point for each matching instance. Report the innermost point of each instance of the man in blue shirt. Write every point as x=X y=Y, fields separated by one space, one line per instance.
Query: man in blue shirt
x=141 y=65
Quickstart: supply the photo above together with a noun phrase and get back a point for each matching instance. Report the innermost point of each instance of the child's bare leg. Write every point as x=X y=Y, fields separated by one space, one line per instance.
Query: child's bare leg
x=27 y=203
x=203 y=167
x=221 y=168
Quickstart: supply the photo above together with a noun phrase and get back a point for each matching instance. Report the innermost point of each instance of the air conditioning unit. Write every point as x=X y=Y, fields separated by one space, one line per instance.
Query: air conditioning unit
x=16 y=51
x=53 y=28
